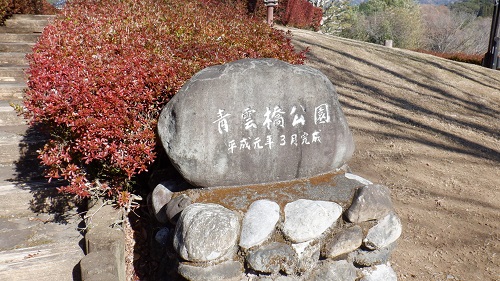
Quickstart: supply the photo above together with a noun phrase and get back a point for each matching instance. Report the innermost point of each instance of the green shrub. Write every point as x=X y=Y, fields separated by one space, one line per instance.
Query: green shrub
x=101 y=73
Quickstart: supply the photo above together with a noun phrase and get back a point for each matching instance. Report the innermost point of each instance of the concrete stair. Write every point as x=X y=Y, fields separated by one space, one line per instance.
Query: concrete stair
x=13 y=59
x=28 y=23
x=12 y=89
x=20 y=47
x=39 y=239
x=17 y=39
x=11 y=73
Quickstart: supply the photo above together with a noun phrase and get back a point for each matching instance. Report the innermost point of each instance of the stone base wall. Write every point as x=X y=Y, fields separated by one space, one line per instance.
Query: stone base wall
x=104 y=245
x=281 y=234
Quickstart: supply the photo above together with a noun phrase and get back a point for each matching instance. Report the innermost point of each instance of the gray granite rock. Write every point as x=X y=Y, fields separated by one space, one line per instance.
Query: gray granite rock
x=161 y=236
x=358 y=178
x=370 y=202
x=227 y=271
x=343 y=242
x=259 y=223
x=206 y=232
x=273 y=258
x=385 y=232
x=364 y=257
x=307 y=219
x=160 y=197
x=334 y=271
x=255 y=121
x=382 y=272
x=307 y=255
x=274 y=277
x=175 y=206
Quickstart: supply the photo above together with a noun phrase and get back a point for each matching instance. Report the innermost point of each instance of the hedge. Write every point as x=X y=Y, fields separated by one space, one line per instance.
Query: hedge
x=302 y=14
x=296 y=13
x=460 y=57
x=101 y=73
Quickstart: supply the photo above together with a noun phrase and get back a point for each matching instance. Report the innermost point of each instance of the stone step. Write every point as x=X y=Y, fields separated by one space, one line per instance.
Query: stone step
x=12 y=130
x=21 y=17
x=20 y=200
x=38 y=240
x=12 y=90
x=33 y=23
x=13 y=58
x=17 y=79
x=25 y=165
x=19 y=37
x=16 y=47
x=36 y=244
x=12 y=30
x=10 y=118
x=16 y=72
x=15 y=200
x=50 y=262
x=9 y=148
x=20 y=27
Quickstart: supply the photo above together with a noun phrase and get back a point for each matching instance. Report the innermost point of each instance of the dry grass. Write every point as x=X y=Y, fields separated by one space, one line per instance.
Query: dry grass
x=429 y=129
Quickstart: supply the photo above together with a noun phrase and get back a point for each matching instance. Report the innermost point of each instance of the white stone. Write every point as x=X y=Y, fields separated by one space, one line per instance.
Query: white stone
x=273 y=258
x=307 y=254
x=227 y=271
x=259 y=223
x=384 y=233
x=357 y=178
x=307 y=219
x=333 y=271
x=371 y=202
x=160 y=197
x=206 y=232
x=382 y=272
x=343 y=242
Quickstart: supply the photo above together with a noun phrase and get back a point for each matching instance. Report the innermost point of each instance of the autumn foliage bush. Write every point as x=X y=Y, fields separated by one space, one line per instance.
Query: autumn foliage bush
x=301 y=14
x=461 y=57
x=296 y=13
x=36 y=7
x=101 y=73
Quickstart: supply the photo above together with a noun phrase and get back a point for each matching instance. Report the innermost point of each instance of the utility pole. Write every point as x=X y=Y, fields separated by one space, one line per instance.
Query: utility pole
x=491 y=57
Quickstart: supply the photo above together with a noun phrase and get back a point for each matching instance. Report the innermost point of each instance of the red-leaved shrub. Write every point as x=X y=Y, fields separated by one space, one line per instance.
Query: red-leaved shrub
x=301 y=14
x=296 y=13
x=101 y=73
x=461 y=57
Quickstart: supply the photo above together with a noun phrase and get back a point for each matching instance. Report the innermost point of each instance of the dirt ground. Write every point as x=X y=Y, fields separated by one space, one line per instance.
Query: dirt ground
x=429 y=129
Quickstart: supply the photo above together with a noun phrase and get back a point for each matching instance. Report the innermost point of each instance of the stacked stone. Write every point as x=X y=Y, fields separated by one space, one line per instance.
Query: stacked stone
x=306 y=240
x=231 y=126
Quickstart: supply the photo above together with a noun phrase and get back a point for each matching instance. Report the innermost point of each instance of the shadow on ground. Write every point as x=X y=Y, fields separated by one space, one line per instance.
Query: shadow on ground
x=402 y=106
x=29 y=173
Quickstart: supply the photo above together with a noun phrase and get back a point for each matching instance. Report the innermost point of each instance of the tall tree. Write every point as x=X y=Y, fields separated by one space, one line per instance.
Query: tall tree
x=336 y=15
x=379 y=20
x=450 y=30
x=480 y=8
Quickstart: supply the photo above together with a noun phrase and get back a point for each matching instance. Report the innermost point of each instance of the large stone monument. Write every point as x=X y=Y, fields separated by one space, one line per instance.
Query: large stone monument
x=255 y=121
x=263 y=147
